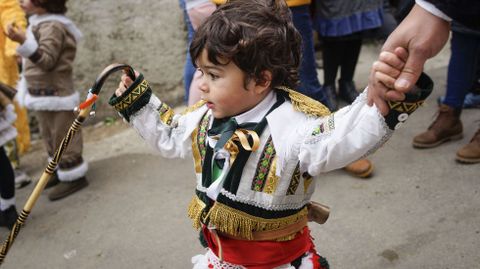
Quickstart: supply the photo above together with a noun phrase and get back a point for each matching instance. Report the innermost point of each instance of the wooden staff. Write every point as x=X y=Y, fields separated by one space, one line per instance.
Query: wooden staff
x=84 y=112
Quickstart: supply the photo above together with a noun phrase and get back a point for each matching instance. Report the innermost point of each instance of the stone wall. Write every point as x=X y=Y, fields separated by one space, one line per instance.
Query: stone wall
x=149 y=36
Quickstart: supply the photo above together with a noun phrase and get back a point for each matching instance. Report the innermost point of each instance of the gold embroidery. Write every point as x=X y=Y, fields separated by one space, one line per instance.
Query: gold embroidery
x=166 y=114
x=132 y=96
x=197 y=159
x=272 y=179
x=404 y=107
x=237 y=223
x=306 y=104
x=295 y=181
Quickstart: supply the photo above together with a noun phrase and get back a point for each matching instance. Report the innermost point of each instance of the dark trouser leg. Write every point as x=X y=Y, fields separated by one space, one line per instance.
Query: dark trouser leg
x=461 y=68
x=309 y=84
x=7 y=178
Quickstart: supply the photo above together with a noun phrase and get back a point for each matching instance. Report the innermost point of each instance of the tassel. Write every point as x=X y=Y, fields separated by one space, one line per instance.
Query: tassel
x=195 y=209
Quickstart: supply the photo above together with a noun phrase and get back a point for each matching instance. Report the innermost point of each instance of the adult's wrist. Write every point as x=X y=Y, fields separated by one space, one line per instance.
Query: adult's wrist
x=432 y=9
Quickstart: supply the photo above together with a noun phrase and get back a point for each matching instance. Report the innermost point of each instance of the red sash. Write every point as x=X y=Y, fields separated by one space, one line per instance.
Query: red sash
x=260 y=254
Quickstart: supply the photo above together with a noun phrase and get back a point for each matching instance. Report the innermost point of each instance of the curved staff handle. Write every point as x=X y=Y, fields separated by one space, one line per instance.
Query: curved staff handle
x=85 y=109
x=97 y=86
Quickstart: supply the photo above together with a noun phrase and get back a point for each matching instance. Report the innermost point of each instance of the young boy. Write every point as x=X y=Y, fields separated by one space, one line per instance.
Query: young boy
x=48 y=50
x=257 y=144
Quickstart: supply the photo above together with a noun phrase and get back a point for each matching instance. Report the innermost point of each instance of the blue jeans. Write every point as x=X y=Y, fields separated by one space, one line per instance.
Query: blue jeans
x=309 y=84
x=462 y=67
x=188 y=69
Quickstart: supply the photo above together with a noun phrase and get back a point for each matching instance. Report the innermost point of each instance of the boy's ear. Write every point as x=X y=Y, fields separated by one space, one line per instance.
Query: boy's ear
x=264 y=84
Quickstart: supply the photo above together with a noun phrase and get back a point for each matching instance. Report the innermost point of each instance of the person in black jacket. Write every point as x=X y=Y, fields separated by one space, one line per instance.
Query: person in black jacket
x=424 y=32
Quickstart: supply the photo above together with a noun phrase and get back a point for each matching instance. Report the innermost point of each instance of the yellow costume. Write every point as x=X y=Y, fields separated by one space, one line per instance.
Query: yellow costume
x=10 y=12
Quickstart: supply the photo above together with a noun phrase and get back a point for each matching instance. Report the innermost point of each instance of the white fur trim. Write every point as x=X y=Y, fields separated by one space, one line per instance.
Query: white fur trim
x=73 y=174
x=6 y=203
x=52 y=103
x=28 y=47
x=21 y=88
x=7 y=135
x=71 y=27
x=7 y=117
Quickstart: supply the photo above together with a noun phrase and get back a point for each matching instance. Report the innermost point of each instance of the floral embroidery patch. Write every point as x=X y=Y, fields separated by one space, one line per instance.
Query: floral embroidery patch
x=263 y=166
x=201 y=137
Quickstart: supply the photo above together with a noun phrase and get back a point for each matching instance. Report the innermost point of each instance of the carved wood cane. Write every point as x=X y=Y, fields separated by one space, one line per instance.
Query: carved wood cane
x=84 y=112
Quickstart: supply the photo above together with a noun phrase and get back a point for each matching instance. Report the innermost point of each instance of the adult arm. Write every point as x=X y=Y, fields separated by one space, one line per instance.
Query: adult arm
x=423 y=34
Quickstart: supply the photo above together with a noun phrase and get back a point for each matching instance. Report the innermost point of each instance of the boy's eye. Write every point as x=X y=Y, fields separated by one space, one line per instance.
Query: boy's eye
x=213 y=76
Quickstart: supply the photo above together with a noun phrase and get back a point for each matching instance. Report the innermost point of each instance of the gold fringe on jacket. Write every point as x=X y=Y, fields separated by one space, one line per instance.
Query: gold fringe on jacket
x=237 y=223
x=195 y=209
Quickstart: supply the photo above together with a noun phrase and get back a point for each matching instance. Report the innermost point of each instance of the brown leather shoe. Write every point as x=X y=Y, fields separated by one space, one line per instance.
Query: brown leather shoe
x=470 y=153
x=362 y=168
x=447 y=126
x=65 y=188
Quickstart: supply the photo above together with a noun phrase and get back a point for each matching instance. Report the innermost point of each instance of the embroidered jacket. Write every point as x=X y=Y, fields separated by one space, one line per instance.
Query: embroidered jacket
x=268 y=188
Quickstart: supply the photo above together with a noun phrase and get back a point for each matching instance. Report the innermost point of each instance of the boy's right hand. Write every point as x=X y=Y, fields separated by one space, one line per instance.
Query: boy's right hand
x=125 y=82
x=16 y=34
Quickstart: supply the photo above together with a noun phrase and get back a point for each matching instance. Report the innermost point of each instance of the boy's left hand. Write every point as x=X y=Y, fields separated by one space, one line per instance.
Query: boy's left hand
x=125 y=82
x=16 y=34
x=382 y=79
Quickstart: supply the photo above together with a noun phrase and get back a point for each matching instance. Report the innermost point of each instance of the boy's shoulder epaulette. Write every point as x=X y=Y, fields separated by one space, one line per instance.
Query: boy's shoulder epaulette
x=305 y=104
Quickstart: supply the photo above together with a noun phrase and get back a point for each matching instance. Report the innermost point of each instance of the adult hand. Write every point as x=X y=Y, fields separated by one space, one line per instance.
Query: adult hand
x=423 y=35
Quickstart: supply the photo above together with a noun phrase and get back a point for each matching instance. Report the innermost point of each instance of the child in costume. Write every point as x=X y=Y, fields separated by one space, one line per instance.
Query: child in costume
x=309 y=84
x=258 y=144
x=12 y=15
x=48 y=49
x=8 y=211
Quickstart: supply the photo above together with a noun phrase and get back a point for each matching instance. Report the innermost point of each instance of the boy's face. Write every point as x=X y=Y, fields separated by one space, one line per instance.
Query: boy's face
x=222 y=87
x=30 y=8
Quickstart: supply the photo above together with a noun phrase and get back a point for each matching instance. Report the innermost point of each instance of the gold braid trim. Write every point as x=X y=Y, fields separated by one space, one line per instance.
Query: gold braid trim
x=306 y=104
x=238 y=223
x=166 y=114
x=195 y=209
x=194 y=107
x=197 y=158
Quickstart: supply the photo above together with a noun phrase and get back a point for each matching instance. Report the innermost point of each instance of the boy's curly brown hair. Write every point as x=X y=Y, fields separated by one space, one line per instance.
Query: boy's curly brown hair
x=52 y=6
x=257 y=35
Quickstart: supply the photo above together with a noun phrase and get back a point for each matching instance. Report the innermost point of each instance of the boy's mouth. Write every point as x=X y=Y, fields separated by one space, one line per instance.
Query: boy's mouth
x=210 y=105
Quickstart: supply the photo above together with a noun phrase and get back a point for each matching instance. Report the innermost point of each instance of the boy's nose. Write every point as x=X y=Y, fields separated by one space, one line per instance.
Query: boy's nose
x=202 y=84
